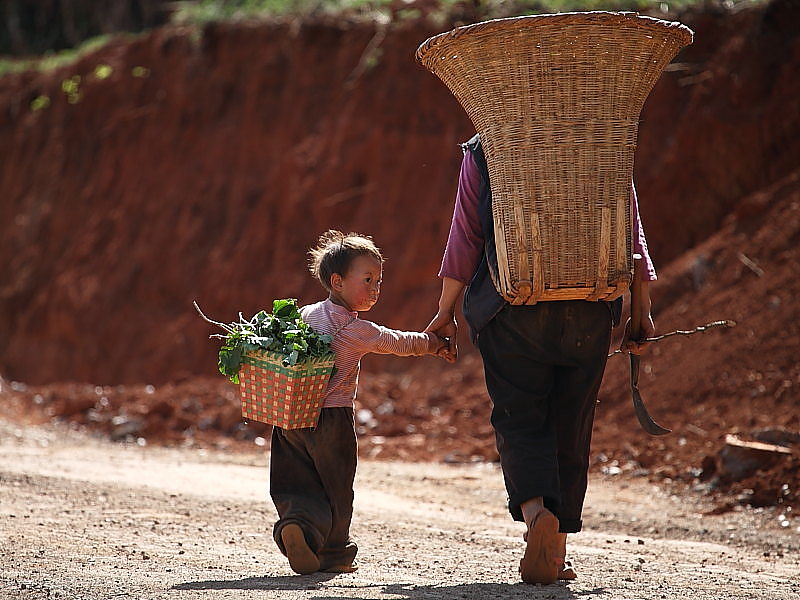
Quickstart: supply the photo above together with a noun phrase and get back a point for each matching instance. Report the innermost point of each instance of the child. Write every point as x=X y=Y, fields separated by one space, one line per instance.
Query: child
x=312 y=470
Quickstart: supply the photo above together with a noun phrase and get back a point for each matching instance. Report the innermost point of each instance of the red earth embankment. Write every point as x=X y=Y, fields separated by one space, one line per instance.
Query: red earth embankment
x=208 y=178
x=201 y=165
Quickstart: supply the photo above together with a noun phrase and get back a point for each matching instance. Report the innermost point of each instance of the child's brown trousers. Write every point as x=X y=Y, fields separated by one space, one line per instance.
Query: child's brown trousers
x=311 y=484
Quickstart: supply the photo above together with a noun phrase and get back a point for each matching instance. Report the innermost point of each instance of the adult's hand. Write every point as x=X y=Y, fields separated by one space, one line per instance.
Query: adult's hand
x=647 y=328
x=444 y=325
x=639 y=346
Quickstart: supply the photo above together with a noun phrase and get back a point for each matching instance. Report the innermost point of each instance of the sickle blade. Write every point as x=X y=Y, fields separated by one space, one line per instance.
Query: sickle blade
x=645 y=420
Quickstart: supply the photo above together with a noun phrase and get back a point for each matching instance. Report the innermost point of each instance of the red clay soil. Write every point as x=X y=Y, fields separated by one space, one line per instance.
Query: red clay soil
x=208 y=173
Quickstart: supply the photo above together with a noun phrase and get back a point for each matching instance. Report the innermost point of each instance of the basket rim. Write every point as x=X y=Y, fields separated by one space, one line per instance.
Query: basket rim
x=278 y=357
x=683 y=34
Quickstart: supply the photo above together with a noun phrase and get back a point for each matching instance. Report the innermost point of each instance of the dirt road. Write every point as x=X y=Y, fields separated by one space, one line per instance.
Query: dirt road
x=80 y=518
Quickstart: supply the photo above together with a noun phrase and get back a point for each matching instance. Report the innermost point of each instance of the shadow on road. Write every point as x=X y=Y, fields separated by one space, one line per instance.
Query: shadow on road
x=293 y=582
x=404 y=591
x=482 y=591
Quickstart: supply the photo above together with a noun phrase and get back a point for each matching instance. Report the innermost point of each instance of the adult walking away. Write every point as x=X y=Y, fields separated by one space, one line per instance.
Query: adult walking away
x=543 y=362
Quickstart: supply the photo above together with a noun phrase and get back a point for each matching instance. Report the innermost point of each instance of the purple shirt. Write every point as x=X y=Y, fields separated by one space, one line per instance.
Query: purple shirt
x=465 y=242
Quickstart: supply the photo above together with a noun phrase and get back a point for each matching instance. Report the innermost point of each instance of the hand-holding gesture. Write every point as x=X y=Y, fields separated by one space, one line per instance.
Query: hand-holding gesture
x=444 y=325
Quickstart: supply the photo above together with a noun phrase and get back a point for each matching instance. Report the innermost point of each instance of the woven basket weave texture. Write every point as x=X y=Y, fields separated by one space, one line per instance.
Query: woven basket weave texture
x=286 y=397
x=556 y=100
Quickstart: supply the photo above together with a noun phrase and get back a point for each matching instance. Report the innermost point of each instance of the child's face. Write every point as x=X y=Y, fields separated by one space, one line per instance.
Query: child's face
x=360 y=287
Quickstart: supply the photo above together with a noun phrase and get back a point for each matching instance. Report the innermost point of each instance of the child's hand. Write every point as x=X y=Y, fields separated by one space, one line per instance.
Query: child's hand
x=447 y=354
x=441 y=347
x=444 y=326
x=438 y=344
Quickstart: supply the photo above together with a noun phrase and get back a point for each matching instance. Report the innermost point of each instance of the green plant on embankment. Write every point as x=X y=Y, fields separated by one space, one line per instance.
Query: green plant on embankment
x=203 y=11
x=199 y=12
x=52 y=60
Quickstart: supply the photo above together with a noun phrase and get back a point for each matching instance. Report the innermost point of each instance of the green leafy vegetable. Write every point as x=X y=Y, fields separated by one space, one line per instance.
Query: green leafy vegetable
x=283 y=332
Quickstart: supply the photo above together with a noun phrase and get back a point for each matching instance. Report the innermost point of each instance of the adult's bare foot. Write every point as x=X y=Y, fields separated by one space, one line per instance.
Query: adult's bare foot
x=567 y=572
x=541 y=562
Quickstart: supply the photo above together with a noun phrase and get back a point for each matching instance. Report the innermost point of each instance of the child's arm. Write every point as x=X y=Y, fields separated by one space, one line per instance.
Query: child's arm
x=383 y=340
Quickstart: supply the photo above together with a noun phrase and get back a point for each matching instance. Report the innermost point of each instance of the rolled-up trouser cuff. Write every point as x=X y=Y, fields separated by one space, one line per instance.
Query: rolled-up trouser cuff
x=570 y=525
x=564 y=526
x=338 y=557
x=516 y=501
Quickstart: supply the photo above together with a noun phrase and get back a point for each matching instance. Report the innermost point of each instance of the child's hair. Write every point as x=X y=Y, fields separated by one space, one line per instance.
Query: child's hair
x=335 y=251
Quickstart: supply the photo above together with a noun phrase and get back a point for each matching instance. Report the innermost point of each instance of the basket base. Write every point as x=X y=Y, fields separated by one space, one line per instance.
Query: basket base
x=608 y=294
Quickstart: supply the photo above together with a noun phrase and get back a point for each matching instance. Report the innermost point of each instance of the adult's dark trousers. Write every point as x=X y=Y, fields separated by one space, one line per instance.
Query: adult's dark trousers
x=544 y=364
x=311 y=483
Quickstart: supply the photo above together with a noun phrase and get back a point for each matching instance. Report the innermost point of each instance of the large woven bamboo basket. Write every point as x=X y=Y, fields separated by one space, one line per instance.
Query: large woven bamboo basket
x=556 y=100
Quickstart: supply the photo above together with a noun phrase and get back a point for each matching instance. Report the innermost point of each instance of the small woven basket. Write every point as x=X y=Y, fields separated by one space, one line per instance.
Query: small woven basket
x=556 y=100
x=286 y=397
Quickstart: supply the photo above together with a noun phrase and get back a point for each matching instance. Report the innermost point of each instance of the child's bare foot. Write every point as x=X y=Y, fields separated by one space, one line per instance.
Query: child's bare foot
x=352 y=567
x=301 y=558
x=541 y=562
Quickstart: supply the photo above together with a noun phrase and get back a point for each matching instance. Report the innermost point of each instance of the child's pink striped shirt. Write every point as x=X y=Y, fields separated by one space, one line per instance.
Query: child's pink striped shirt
x=352 y=339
